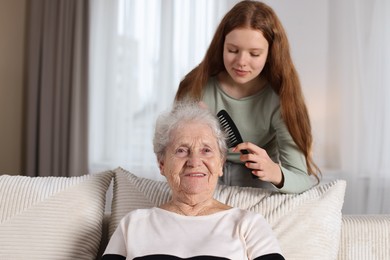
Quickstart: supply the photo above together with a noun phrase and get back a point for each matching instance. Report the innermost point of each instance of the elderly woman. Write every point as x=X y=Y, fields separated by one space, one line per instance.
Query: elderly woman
x=190 y=148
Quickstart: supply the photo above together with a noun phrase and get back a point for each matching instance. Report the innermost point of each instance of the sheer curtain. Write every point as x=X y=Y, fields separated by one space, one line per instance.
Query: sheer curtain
x=358 y=98
x=139 y=52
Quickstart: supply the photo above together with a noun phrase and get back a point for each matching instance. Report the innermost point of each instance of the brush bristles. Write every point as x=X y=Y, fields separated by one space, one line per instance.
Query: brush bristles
x=231 y=137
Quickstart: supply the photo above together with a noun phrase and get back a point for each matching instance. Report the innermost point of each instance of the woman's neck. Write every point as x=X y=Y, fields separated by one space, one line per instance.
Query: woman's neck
x=201 y=208
x=238 y=91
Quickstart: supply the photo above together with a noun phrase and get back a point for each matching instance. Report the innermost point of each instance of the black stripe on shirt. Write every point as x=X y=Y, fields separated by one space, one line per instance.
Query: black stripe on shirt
x=168 y=257
x=171 y=257
x=113 y=257
x=273 y=256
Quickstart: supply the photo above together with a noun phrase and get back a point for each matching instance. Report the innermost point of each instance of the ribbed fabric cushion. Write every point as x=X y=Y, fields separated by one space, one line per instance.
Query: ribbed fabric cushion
x=52 y=217
x=131 y=192
x=307 y=225
x=363 y=237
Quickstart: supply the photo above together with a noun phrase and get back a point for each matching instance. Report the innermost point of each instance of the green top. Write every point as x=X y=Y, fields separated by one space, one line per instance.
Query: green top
x=258 y=120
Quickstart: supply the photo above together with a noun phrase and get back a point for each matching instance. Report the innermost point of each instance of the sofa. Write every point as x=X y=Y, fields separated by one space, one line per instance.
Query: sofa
x=68 y=217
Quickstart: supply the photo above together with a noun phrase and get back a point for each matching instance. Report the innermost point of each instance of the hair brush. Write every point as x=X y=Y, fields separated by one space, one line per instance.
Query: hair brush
x=233 y=135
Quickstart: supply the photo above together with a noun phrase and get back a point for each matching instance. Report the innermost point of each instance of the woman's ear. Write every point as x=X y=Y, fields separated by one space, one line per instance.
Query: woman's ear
x=221 y=172
x=161 y=167
x=202 y=105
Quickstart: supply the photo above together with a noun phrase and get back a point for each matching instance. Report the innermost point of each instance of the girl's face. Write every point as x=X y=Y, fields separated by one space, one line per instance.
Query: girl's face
x=244 y=54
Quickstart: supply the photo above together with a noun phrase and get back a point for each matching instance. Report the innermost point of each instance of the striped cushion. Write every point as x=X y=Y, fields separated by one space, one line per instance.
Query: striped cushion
x=308 y=225
x=131 y=192
x=52 y=217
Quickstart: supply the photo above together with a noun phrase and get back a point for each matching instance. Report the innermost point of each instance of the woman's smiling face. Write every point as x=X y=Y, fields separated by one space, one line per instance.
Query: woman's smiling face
x=192 y=161
x=244 y=54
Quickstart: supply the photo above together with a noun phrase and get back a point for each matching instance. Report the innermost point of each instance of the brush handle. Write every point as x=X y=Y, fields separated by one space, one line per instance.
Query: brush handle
x=246 y=152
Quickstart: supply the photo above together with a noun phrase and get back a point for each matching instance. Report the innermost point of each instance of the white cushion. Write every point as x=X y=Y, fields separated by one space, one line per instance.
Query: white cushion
x=308 y=225
x=52 y=217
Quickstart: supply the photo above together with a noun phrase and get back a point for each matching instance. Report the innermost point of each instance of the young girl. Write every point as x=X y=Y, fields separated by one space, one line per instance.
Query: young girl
x=248 y=71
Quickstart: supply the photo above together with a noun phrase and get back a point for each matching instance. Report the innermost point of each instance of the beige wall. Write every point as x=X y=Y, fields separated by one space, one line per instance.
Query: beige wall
x=12 y=35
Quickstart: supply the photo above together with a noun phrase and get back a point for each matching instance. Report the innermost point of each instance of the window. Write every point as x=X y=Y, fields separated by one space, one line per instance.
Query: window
x=140 y=50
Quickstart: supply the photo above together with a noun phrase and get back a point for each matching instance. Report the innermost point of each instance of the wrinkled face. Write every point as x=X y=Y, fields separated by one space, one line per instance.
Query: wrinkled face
x=244 y=54
x=192 y=161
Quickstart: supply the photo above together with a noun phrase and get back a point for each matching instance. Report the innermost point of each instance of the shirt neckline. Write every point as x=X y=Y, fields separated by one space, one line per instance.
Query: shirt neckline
x=219 y=88
x=177 y=215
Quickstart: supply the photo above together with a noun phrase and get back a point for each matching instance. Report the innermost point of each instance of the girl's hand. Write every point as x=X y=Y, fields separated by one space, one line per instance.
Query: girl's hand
x=261 y=164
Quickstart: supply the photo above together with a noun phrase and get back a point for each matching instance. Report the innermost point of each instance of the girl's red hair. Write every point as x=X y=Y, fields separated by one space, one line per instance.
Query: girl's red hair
x=279 y=70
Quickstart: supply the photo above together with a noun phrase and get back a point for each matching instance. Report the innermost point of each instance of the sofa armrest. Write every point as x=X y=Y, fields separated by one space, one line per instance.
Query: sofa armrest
x=365 y=237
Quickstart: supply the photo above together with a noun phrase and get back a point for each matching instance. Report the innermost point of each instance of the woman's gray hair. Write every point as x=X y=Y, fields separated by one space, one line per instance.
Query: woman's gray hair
x=182 y=113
